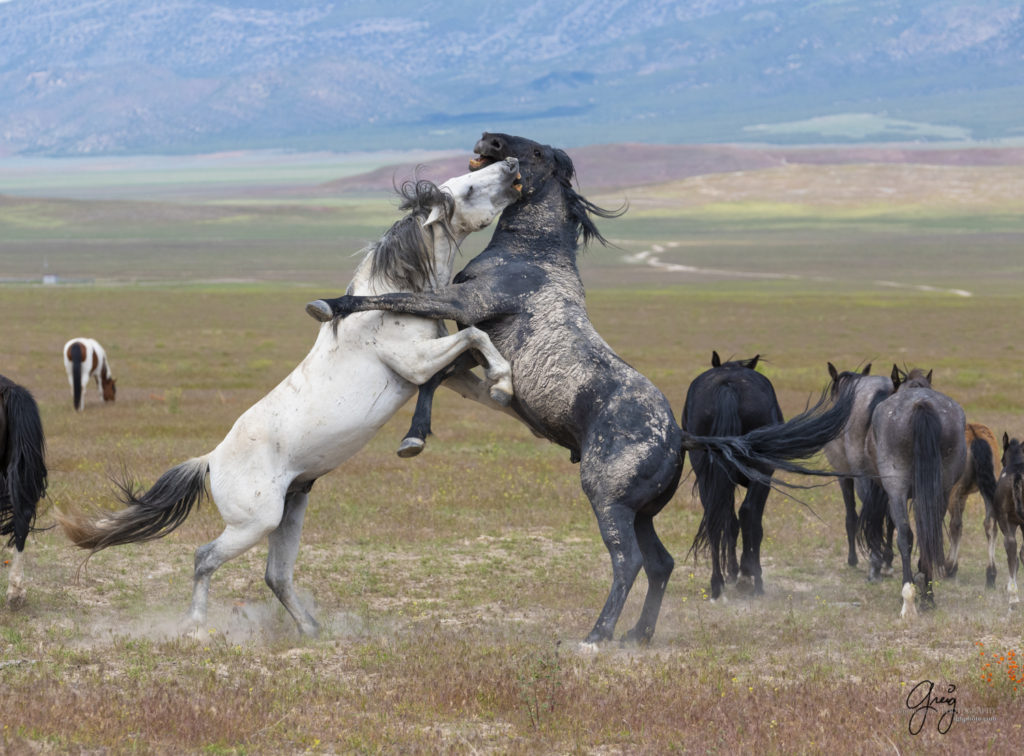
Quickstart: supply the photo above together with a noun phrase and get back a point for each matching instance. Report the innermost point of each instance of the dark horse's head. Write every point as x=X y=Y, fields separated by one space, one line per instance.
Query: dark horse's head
x=543 y=166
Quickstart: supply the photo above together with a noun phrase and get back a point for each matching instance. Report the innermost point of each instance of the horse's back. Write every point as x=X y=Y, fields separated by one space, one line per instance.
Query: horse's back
x=893 y=430
x=756 y=402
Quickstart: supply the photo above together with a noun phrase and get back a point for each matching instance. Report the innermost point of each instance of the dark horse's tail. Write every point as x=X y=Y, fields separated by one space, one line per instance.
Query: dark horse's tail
x=777 y=446
x=146 y=516
x=984 y=473
x=77 y=353
x=929 y=501
x=718 y=482
x=24 y=477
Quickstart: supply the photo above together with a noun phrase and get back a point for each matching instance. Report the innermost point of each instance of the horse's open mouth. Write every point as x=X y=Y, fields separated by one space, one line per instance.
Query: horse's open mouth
x=483 y=161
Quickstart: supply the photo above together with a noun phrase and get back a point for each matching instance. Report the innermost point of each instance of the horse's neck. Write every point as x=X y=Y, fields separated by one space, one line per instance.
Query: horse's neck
x=443 y=249
x=539 y=228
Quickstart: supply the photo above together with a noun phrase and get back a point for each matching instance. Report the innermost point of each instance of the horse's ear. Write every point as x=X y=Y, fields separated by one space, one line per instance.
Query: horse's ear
x=437 y=213
x=832 y=372
x=753 y=362
x=1006 y=440
x=563 y=165
x=866 y=370
x=896 y=376
x=716 y=361
x=929 y=377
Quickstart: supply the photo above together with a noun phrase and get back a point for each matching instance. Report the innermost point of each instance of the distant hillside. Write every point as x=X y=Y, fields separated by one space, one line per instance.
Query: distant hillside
x=602 y=168
x=147 y=76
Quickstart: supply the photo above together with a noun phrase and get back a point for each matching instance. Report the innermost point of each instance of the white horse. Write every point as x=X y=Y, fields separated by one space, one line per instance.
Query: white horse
x=85 y=359
x=357 y=375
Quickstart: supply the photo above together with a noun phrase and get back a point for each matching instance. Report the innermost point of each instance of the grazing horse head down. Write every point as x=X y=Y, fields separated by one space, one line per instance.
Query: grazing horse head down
x=85 y=359
x=22 y=475
x=524 y=290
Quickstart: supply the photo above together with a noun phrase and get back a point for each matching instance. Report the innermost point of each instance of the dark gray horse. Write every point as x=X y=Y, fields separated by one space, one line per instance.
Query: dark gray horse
x=730 y=399
x=1009 y=507
x=524 y=290
x=849 y=459
x=916 y=443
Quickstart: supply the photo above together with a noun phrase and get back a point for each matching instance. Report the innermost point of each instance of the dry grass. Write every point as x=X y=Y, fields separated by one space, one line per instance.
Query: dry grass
x=453 y=587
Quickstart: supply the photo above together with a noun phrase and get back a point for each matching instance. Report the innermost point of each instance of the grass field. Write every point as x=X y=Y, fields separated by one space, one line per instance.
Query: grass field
x=453 y=588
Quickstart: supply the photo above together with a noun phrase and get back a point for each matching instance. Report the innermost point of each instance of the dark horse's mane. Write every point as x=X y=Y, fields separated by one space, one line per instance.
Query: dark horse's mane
x=580 y=208
x=402 y=256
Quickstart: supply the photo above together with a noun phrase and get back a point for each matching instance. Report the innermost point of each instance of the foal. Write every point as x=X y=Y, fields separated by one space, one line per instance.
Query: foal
x=1009 y=507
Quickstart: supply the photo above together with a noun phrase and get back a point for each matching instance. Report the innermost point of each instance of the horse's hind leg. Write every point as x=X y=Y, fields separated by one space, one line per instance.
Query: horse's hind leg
x=846 y=486
x=1010 y=542
x=751 y=520
x=618 y=531
x=658 y=565
x=281 y=556
x=16 y=580
x=956 y=528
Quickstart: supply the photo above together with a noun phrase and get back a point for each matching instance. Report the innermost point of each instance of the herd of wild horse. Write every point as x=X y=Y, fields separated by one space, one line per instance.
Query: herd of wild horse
x=521 y=314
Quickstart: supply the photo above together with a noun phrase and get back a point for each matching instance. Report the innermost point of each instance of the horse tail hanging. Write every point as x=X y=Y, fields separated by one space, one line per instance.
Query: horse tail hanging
x=146 y=516
x=981 y=456
x=77 y=354
x=929 y=502
x=25 y=475
x=776 y=446
x=717 y=481
x=871 y=521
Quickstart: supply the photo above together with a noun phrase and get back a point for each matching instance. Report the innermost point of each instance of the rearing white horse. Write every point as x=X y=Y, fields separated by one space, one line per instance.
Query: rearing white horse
x=357 y=375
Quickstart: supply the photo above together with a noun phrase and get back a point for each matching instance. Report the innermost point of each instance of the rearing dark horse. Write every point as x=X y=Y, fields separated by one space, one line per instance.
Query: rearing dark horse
x=524 y=290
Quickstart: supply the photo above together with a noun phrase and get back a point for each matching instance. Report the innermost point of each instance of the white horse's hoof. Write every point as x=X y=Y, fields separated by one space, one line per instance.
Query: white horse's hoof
x=590 y=649
x=909 y=610
x=410 y=447
x=320 y=310
x=501 y=396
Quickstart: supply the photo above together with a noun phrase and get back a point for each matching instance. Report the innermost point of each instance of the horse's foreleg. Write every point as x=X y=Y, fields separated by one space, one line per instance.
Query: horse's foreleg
x=16 y=580
x=419 y=428
x=282 y=553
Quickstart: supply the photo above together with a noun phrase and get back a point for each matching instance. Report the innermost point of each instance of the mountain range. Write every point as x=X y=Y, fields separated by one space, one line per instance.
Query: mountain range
x=182 y=76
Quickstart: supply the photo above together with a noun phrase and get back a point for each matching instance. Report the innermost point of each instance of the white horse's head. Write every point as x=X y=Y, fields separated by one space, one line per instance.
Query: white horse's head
x=479 y=197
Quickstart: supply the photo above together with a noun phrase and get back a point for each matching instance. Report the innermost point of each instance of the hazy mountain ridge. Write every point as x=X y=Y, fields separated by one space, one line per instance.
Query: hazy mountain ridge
x=139 y=75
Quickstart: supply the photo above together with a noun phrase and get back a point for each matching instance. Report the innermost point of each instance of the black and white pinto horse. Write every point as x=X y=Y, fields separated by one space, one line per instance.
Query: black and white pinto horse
x=22 y=476
x=85 y=360
x=730 y=399
x=848 y=457
x=354 y=379
x=916 y=443
x=1009 y=508
x=524 y=290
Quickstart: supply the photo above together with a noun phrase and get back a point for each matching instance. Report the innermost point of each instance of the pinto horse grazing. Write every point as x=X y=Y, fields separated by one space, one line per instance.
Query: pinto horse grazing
x=730 y=399
x=524 y=290
x=356 y=376
x=979 y=475
x=916 y=443
x=848 y=457
x=85 y=359
x=22 y=475
x=1009 y=507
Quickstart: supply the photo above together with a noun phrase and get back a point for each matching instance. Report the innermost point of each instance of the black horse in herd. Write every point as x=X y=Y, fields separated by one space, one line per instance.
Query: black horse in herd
x=524 y=290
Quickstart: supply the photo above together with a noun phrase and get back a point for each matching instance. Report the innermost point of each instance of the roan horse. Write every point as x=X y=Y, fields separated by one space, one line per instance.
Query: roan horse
x=356 y=376
x=730 y=399
x=85 y=359
x=979 y=475
x=849 y=459
x=1009 y=507
x=916 y=443
x=22 y=475
x=525 y=291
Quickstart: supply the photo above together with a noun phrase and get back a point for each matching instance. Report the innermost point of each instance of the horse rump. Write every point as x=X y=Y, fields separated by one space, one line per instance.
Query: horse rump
x=24 y=478
x=146 y=515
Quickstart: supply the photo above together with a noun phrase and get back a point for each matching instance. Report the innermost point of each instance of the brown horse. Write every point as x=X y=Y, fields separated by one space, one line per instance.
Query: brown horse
x=1009 y=507
x=979 y=476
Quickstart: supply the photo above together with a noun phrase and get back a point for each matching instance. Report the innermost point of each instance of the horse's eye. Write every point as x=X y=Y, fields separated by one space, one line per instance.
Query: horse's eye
x=536 y=153
x=469 y=191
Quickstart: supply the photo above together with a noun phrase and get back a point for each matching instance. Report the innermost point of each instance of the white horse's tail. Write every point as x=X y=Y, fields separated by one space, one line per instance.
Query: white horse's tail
x=146 y=516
